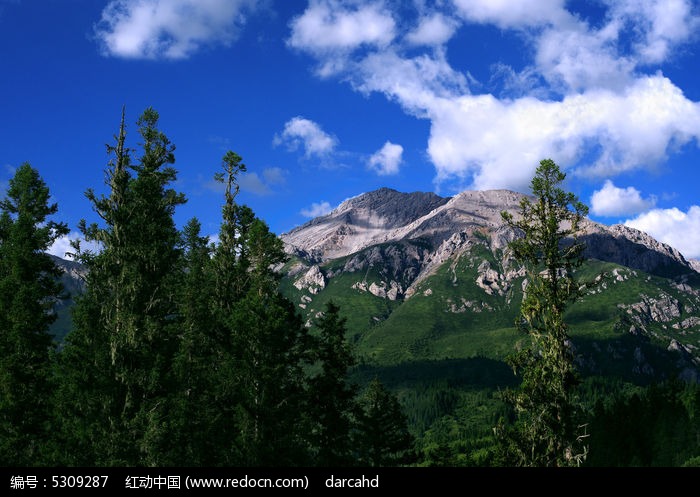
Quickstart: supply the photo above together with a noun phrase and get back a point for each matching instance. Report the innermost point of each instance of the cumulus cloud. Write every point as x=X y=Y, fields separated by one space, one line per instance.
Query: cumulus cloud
x=332 y=25
x=386 y=160
x=574 y=58
x=679 y=229
x=303 y=132
x=613 y=201
x=589 y=96
x=666 y=23
x=436 y=29
x=316 y=209
x=509 y=14
x=172 y=29
x=498 y=143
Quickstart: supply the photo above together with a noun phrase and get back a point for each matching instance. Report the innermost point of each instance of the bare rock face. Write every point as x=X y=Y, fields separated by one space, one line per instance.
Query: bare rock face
x=633 y=248
x=660 y=310
x=490 y=281
x=73 y=275
x=361 y=222
x=445 y=225
x=502 y=236
x=312 y=280
x=687 y=323
x=391 y=291
x=695 y=264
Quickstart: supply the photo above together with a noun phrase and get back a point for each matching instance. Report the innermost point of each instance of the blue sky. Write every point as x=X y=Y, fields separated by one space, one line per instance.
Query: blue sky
x=327 y=99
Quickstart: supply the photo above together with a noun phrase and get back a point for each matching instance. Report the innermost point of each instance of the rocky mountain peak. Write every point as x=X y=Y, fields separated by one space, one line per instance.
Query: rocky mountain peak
x=387 y=208
x=360 y=222
x=388 y=216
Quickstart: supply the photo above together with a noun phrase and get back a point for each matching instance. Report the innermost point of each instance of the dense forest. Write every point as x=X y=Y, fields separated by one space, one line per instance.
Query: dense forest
x=184 y=352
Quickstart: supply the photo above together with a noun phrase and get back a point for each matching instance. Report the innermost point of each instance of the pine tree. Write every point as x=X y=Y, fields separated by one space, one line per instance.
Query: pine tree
x=117 y=361
x=332 y=397
x=383 y=436
x=545 y=433
x=264 y=336
x=195 y=422
x=28 y=291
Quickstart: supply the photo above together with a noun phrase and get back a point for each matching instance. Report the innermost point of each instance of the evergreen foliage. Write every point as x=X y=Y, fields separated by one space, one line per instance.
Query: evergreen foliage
x=28 y=291
x=383 y=436
x=263 y=338
x=195 y=422
x=117 y=362
x=547 y=431
x=332 y=398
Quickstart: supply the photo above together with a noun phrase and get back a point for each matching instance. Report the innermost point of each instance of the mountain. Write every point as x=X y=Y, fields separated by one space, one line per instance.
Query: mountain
x=425 y=278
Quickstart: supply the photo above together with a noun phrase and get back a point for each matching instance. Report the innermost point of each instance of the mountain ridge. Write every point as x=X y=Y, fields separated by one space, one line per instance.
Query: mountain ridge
x=441 y=283
x=386 y=215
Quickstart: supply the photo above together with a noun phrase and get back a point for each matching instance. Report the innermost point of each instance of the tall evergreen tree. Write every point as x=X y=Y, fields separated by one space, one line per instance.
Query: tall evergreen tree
x=383 y=436
x=28 y=291
x=118 y=358
x=266 y=338
x=196 y=423
x=332 y=397
x=545 y=433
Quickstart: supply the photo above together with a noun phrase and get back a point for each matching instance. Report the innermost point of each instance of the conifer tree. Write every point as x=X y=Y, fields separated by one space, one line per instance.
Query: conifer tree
x=118 y=358
x=195 y=421
x=28 y=291
x=383 y=436
x=332 y=397
x=546 y=430
x=265 y=337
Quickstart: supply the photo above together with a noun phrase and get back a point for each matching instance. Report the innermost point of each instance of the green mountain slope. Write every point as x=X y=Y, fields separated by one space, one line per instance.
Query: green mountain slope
x=431 y=307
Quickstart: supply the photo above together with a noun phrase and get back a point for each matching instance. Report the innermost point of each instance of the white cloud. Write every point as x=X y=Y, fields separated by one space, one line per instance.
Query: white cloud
x=571 y=52
x=417 y=83
x=62 y=246
x=331 y=25
x=317 y=209
x=498 y=143
x=679 y=229
x=664 y=24
x=574 y=58
x=386 y=161
x=436 y=29
x=169 y=29
x=635 y=33
x=588 y=97
x=300 y=131
x=510 y=14
x=613 y=201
